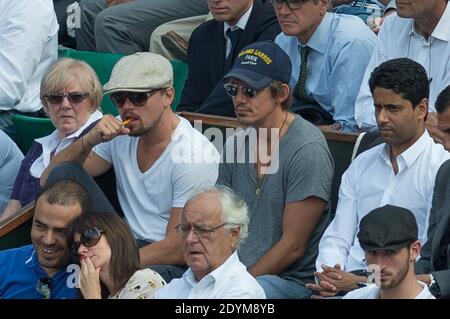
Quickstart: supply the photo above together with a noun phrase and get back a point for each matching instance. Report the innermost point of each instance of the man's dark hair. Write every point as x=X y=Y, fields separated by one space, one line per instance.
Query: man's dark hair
x=66 y=193
x=276 y=88
x=443 y=100
x=404 y=76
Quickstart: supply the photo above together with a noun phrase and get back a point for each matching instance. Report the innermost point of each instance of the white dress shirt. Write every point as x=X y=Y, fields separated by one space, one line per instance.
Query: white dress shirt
x=373 y=292
x=231 y=280
x=370 y=182
x=398 y=39
x=241 y=24
x=28 y=45
x=54 y=143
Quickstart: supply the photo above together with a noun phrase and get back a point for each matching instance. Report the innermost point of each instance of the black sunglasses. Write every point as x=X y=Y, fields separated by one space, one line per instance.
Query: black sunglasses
x=291 y=4
x=58 y=97
x=89 y=238
x=137 y=98
x=232 y=90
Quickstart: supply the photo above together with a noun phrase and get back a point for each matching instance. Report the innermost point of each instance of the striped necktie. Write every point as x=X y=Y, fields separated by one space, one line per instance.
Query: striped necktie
x=300 y=87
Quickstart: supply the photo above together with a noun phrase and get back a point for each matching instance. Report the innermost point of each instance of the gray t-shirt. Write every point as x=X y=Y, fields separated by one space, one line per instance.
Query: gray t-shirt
x=305 y=170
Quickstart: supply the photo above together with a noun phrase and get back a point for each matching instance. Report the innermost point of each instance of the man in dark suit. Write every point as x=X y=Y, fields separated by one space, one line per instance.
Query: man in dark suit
x=434 y=264
x=213 y=47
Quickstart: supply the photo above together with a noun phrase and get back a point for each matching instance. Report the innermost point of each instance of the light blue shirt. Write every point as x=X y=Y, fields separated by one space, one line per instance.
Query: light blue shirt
x=340 y=50
x=10 y=159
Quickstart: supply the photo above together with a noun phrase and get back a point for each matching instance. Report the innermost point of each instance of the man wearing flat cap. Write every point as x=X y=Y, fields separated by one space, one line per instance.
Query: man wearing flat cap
x=389 y=237
x=283 y=171
x=152 y=152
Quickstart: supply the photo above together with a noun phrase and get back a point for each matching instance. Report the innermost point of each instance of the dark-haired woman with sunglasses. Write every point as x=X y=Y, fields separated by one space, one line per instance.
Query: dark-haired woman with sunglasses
x=108 y=254
x=71 y=94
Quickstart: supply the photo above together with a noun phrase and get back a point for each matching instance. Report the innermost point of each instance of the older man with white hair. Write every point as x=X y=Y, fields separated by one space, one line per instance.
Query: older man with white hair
x=212 y=225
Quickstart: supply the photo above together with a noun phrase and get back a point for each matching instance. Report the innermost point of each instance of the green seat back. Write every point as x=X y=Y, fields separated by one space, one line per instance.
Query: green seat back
x=18 y=237
x=180 y=73
x=29 y=128
x=103 y=64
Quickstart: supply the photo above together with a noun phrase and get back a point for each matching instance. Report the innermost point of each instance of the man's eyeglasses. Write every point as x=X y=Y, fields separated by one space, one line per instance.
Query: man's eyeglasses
x=44 y=287
x=58 y=97
x=199 y=231
x=232 y=90
x=291 y=4
x=137 y=98
x=89 y=238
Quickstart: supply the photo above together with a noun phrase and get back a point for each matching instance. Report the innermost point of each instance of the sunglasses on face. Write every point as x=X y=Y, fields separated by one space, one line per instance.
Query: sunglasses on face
x=232 y=90
x=58 y=97
x=136 y=98
x=291 y=4
x=89 y=238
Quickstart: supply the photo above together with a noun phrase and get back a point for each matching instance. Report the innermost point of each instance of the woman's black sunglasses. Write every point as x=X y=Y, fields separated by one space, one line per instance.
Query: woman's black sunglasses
x=58 y=97
x=89 y=238
x=137 y=98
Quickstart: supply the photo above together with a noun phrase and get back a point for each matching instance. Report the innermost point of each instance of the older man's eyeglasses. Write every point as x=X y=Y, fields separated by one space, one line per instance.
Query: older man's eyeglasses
x=291 y=4
x=199 y=231
x=89 y=238
x=44 y=287
x=232 y=90
x=136 y=98
x=58 y=97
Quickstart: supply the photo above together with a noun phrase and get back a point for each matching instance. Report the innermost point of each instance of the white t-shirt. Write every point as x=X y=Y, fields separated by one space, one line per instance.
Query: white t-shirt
x=189 y=162
x=373 y=292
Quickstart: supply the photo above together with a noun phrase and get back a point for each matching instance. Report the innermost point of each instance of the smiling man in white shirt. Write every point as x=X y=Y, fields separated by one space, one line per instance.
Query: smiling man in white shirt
x=420 y=30
x=400 y=172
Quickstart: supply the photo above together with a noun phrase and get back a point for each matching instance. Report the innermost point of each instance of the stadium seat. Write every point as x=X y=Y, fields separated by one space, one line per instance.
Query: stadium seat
x=103 y=64
x=29 y=128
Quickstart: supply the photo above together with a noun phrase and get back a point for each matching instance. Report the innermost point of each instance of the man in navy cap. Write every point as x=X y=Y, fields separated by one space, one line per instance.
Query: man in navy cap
x=389 y=237
x=281 y=166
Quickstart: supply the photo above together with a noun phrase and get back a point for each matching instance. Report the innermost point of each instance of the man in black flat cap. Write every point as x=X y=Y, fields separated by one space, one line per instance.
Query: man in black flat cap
x=389 y=237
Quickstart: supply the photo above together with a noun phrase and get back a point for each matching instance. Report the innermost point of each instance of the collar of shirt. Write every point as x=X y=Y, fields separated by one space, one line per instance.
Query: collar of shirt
x=241 y=24
x=409 y=156
x=441 y=31
x=53 y=141
x=319 y=39
x=32 y=262
x=219 y=274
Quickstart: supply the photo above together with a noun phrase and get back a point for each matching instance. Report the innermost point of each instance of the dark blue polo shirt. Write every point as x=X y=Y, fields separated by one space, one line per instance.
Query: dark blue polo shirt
x=20 y=273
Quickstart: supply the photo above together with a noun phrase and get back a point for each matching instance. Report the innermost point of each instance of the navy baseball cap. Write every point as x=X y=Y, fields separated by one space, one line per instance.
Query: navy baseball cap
x=261 y=63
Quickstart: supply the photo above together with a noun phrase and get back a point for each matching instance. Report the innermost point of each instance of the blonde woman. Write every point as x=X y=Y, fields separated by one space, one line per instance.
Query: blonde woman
x=71 y=95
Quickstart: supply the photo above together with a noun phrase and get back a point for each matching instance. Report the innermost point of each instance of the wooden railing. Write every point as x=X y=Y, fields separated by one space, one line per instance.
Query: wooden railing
x=222 y=121
x=17 y=219
x=341 y=146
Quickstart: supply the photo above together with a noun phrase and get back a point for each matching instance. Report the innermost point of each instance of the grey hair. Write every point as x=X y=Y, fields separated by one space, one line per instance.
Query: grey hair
x=234 y=210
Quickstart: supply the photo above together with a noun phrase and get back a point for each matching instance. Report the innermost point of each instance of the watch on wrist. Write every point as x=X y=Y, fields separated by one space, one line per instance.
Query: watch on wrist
x=434 y=287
